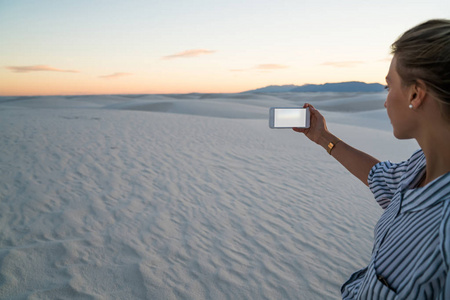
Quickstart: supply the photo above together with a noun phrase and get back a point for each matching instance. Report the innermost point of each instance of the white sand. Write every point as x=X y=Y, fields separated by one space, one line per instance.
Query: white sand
x=182 y=197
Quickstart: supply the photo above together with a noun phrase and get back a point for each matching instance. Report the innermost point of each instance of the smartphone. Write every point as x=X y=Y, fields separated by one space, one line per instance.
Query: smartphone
x=288 y=117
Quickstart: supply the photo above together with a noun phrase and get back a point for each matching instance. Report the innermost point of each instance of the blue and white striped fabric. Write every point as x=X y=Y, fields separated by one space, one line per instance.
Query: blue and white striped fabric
x=411 y=253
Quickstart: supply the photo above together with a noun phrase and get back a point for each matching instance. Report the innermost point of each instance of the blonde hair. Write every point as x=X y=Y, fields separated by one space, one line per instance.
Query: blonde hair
x=423 y=53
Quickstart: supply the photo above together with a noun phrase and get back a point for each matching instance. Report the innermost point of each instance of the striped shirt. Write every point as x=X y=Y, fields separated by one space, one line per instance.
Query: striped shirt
x=411 y=253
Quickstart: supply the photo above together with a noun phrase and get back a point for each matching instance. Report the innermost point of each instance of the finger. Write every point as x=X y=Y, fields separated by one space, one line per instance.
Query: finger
x=314 y=111
x=308 y=105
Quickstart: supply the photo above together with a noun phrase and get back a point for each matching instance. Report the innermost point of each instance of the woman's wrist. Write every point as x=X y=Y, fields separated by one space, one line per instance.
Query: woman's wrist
x=326 y=138
x=328 y=141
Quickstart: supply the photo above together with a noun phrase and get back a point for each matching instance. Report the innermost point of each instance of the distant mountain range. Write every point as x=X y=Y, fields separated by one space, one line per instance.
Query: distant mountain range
x=340 y=87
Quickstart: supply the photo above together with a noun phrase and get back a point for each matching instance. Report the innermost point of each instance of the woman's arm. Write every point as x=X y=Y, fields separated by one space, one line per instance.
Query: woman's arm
x=354 y=160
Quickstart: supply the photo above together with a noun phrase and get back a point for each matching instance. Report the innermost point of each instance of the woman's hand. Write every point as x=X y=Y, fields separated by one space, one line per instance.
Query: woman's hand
x=318 y=126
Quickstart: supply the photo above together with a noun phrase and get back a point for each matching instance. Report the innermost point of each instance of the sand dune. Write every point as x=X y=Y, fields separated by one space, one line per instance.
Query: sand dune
x=182 y=197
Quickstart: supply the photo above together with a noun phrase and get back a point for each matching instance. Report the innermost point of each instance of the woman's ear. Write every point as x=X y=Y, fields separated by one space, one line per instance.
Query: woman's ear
x=418 y=93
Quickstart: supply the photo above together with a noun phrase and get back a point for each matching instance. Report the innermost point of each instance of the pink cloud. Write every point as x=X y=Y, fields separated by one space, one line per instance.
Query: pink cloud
x=189 y=53
x=38 y=68
x=115 y=75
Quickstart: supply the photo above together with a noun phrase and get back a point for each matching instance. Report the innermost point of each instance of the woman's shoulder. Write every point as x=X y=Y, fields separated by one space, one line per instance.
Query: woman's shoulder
x=386 y=177
x=396 y=170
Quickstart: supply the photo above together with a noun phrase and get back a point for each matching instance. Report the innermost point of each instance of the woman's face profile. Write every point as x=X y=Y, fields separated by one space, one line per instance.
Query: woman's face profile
x=397 y=104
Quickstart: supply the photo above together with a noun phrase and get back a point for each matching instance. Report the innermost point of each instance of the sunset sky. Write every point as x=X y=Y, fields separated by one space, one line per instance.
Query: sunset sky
x=68 y=47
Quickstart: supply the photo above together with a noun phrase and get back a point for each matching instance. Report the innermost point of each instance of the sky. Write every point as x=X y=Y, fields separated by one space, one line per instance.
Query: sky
x=66 y=47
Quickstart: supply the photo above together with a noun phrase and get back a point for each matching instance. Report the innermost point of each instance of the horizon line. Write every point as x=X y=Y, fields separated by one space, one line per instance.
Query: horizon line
x=183 y=93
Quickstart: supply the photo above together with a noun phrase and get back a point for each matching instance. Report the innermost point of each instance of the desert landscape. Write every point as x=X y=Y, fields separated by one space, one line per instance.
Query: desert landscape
x=183 y=196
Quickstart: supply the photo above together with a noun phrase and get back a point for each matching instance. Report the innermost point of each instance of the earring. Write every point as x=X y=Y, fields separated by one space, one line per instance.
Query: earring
x=411 y=106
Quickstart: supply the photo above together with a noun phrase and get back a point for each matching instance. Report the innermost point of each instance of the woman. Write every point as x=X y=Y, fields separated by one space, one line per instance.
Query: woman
x=411 y=253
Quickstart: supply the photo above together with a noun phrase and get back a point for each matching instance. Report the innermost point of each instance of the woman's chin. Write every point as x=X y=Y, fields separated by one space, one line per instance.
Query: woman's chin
x=401 y=135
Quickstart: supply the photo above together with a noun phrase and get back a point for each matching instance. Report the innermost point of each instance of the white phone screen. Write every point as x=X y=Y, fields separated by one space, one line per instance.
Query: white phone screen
x=289 y=117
